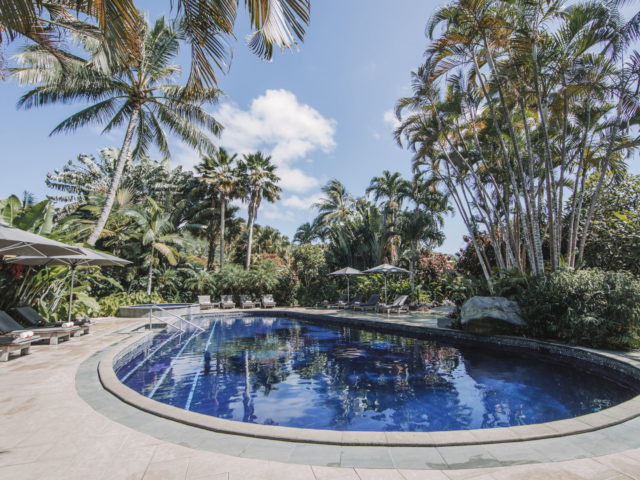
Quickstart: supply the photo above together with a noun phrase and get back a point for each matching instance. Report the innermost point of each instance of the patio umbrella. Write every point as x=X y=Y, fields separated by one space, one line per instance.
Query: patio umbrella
x=385 y=269
x=14 y=241
x=89 y=258
x=346 y=272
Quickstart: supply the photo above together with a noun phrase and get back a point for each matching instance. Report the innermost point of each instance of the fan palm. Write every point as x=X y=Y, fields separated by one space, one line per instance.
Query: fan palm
x=139 y=94
x=261 y=182
x=156 y=230
x=218 y=170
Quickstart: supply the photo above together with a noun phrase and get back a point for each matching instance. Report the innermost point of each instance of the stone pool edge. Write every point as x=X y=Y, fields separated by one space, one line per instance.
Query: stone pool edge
x=583 y=424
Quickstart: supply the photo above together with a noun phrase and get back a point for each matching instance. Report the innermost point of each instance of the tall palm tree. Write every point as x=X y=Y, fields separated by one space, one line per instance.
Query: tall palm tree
x=260 y=182
x=219 y=171
x=155 y=229
x=388 y=187
x=139 y=93
x=416 y=227
x=208 y=28
x=336 y=205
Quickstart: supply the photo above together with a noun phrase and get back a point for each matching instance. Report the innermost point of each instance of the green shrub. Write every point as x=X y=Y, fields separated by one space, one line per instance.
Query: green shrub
x=594 y=308
x=286 y=291
x=110 y=306
x=321 y=289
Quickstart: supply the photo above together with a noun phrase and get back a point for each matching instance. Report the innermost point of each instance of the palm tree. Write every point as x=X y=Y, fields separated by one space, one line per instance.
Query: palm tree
x=415 y=227
x=139 y=93
x=305 y=234
x=208 y=27
x=219 y=171
x=388 y=187
x=155 y=229
x=336 y=205
x=261 y=182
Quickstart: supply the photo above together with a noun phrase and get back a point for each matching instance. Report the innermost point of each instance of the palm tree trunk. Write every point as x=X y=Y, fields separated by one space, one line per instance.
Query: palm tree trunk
x=413 y=283
x=250 y=228
x=576 y=189
x=222 y=212
x=603 y=171
x=115 y=180
x=551 y=194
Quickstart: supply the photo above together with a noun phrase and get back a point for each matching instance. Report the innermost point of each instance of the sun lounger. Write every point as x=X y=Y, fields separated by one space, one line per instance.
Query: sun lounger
x=9 y=327
x=205 y=302
x=352 y=303
x=370 y=305
x=9 y=345
x=33 y=319
x=398 y=305
x=226 y=301
x=246 y=302
x=267 y=301
x=341 y=301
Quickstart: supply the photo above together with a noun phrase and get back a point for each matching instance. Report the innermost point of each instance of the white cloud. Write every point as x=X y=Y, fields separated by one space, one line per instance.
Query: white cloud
x=296 y=180
x=271 y=211
x=281 y=126
x=301 y=203
x=390 y=119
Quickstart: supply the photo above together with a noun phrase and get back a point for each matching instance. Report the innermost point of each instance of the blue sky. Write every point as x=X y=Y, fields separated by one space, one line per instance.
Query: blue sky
x=323 y=112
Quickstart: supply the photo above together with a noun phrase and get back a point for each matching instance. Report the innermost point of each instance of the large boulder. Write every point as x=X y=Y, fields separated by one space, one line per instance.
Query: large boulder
x=491 y=316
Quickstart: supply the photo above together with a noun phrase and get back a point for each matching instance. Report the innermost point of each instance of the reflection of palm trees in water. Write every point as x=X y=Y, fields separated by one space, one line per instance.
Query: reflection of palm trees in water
x=246 y=400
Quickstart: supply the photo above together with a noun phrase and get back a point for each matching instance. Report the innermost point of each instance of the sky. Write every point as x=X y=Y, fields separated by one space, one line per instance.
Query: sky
x=323 y=112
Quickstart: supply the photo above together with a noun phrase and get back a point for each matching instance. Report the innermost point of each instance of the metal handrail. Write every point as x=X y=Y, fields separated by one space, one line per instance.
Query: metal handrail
x=163 y=321
x=178 y=317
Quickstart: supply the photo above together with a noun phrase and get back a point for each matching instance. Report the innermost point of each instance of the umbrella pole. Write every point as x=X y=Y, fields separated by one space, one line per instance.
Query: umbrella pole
x=348 y=280
x=385 y=289
x=73 y=274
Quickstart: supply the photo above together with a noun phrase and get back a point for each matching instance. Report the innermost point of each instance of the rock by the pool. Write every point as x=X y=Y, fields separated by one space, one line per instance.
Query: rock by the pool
x=491 y=316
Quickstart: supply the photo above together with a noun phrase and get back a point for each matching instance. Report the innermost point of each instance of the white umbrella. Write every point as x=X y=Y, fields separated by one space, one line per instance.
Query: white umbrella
x=385 y=269
x=89 y=258
x=346 y=272
x=14 y=241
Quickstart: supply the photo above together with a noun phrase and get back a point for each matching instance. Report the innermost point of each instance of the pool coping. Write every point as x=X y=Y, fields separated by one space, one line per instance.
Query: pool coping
x=583 y=424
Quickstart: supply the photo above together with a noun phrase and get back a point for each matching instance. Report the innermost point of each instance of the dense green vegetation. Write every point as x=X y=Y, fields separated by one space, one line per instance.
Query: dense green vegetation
x=522 y=119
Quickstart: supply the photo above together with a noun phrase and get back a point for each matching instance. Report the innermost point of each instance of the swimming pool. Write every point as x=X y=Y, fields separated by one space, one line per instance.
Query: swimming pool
x=298 y=373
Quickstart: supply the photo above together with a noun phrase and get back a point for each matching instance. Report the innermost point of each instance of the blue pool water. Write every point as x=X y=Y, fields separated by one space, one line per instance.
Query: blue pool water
x=295 y=373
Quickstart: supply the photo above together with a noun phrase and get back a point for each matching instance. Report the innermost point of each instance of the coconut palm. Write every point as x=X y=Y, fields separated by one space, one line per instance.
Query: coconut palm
x=139 y=94
x=218 y=170
x=260 y=182
x=336 y=205
x=208 y=27
x=305 y=234
x=156 y=231
x=388 y=187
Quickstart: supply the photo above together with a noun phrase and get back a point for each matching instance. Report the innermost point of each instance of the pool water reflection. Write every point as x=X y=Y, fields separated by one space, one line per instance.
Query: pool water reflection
x=296 y=373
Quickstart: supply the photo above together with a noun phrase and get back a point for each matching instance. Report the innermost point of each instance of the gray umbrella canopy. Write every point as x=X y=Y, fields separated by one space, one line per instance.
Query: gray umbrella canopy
x=346 y=272
x=386 y=269
x=88 y=258
x=14 y=241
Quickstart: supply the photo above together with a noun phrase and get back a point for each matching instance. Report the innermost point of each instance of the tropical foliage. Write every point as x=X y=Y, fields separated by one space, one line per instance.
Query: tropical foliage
x=516 y=105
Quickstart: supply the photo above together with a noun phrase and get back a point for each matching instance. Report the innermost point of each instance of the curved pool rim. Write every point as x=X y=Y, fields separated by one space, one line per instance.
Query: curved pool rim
x=618 y=414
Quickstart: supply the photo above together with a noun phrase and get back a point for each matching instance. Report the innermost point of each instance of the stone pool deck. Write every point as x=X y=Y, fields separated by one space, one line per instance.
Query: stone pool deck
x=56 y=421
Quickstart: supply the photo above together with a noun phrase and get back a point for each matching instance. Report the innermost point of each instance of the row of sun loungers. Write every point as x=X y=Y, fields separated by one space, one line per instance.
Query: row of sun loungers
x=18 y=338
x=226 y=301
x=398 y=305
